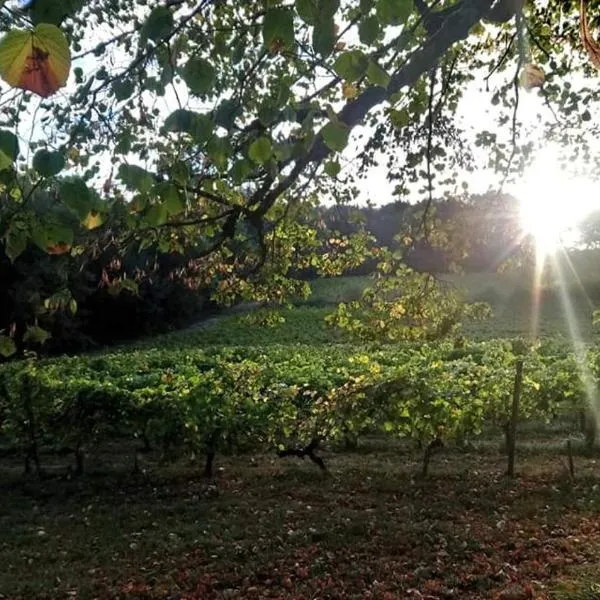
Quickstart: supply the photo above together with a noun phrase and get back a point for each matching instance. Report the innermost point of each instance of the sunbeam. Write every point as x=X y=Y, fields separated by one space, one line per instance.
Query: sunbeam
x=579 y=345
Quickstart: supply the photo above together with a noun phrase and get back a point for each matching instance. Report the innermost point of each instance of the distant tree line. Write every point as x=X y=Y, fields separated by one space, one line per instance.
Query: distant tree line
x=475 y=234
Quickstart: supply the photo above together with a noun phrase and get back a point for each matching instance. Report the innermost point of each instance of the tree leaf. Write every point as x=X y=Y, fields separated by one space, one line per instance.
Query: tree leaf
x=93 y=220
x=7 y=346
x=332 y=168
x=6 y=161
x=58 y=238
x=314 y=11
x=241 y=169
x=156 y=215
x=48 y=163
x=351 y=65
x=400 y=118
x=171 y=198
x=323 y=38
x=278 y=29
x=75 y=194
x=136 y=178
x=369 y=29
x=158 y=25
x=335 y=136
x=15 y=239
x=122 y=89
x=226 y=113
x=261 y=150
x=377 y=75
x=199 y=75
x=199 y=126
x=38 y=60
x=36 y=335
x=394 y=12
x=219 y=150
x=9 y=144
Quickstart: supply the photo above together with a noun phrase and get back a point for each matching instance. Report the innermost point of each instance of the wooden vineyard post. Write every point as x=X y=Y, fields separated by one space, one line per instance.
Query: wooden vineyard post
x=514 y=417
x=571 y=463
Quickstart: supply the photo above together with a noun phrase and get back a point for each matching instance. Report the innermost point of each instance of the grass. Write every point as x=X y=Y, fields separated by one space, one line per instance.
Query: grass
x=509 y=295
x=268 y=527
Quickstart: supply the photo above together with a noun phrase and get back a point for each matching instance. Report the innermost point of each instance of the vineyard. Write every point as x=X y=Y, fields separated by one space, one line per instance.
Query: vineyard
x=177 y=457
x=183 y=398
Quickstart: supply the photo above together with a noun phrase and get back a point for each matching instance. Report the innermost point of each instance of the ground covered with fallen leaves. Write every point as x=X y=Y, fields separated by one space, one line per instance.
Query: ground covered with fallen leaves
x=273 y=528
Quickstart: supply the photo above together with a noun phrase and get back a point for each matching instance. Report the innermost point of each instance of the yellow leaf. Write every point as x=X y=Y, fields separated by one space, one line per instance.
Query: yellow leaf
x=349 y=90
x=93 y=220
x=38 y=61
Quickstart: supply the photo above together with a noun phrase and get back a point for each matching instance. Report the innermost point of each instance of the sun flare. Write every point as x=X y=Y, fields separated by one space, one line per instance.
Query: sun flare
x=553 y=202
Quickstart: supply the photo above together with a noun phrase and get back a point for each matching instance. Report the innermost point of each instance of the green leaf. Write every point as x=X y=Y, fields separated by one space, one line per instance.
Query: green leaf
x=58 y=237
x=308 y=11
x=52 y=11
x=377 y=75
x=332 y=168
x=278 y=28
x=122 y=89
x=136 y=178
x=400 y=118
x=180 y=172
x=158 y=25
x=75 y=194
x=394 y=12
x=171 y=198
x=261 y=150
x=15 y=239
x=219 y=150
x=314 y=11
x=226 y=113
x=36 y=335
x=7 y=346
x=9 y=144
x=199 y=126
x=368 y=30
x=335 y=136
x=351 y=65
x=199 y=75
x=156 y=215
x=47 y=163
x=323 y=38
x=241 y=169
x=5 y=161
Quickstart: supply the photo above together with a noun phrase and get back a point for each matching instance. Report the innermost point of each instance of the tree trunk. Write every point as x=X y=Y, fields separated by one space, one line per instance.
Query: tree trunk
x=211 y=450
x=32 y=450
x=590 y=428
x=571 y=463
x=436 y=444
x=79 y=456
x=208 y=466
x=514 y=417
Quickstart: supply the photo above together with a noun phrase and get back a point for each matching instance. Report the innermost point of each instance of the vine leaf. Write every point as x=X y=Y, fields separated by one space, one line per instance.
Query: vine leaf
x=38 y=61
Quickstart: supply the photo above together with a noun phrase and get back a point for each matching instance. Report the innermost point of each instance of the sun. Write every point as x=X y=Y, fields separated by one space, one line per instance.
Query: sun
x=553 y=202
